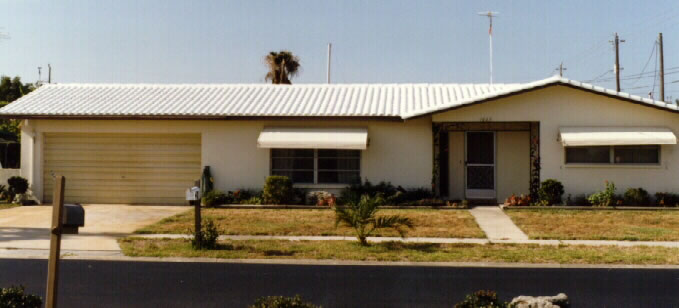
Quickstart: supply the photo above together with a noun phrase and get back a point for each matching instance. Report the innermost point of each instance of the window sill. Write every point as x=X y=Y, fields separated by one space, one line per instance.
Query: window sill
x=615 y=166
x=321 y=186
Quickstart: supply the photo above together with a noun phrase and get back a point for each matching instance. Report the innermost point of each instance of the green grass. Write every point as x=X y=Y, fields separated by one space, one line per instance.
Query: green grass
x=598 y=225
x=397 y=251
x=428 y=223
x=4 y=206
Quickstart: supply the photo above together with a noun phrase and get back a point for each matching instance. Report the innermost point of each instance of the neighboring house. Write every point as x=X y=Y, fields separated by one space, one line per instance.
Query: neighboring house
x=136 y=143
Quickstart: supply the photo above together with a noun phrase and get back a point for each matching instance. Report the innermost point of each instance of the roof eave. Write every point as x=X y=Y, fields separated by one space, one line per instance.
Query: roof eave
x=197 y=117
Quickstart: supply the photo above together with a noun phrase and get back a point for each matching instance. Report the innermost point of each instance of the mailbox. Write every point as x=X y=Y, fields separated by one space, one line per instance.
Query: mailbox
x=74 y=217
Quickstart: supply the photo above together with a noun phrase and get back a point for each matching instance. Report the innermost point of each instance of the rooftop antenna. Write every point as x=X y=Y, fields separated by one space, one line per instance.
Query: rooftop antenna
x=490 y=16
x=39 y=74
x=329 y=54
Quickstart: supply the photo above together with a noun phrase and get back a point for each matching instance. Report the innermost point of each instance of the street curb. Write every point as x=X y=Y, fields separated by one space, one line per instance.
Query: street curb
x=313 y=262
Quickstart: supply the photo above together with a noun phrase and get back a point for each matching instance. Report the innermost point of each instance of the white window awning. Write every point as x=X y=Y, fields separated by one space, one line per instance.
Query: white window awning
x=585 y=136
x=313 y=138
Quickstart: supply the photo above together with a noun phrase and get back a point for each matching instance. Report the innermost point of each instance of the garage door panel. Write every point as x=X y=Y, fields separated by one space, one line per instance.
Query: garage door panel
x=118 y=147
x=126 y=164
x=120 y=156
x=105 y=138
x=124 y=194
x=122 y=168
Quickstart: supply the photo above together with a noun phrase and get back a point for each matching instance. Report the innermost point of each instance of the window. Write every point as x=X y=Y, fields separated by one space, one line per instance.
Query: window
x=637 y=154
x=642 y=154
x=588 y=155
x=308 y=166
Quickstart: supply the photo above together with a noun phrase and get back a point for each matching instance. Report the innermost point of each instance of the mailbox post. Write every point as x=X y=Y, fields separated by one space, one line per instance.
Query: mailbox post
x=65 y=220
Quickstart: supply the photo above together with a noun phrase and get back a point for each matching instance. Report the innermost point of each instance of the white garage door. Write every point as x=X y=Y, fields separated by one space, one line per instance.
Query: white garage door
x=122 y=168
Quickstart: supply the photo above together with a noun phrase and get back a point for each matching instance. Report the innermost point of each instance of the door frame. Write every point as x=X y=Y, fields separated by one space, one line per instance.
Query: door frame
x=480 y=194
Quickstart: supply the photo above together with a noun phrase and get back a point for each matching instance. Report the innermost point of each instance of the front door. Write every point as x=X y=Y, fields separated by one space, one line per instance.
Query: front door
x=480 y=165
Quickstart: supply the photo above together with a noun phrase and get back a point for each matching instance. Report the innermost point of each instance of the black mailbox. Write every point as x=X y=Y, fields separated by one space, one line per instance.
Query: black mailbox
x=74 y=217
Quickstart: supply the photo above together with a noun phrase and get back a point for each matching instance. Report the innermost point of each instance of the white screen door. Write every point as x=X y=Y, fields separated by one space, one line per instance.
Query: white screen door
x=480 y=165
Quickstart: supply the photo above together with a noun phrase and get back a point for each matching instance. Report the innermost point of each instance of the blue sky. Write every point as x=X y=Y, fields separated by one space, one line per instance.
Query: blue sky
x=373 y=41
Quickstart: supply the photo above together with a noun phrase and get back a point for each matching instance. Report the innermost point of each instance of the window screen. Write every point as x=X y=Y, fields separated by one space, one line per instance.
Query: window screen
x=317 y=166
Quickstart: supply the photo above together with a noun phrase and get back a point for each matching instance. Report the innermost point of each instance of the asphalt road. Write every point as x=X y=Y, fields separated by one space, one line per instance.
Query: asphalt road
x=86 y=283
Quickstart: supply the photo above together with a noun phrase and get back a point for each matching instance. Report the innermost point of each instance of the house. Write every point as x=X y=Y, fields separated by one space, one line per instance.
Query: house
x=138 y=143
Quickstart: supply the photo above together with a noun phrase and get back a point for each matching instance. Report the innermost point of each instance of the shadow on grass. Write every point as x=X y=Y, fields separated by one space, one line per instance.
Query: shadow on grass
x=420 y=247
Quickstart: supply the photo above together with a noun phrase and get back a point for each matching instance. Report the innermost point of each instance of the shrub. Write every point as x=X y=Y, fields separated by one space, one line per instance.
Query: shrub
x=17 y=185
x=214 y=197
x=362 y=217
x=208 y=236
x=321 y=198
x=550 y=192
x=391 y=194
x=579 y=200
x=278 y=190
x=637 y=197
x=667 y=199
x=15 y=297
x=605 y=197
x=521 y=200
x=252 y=200
x=353 y=193
x=411 y=196
x=282 y=302
x=481 y=299
x=425 y=202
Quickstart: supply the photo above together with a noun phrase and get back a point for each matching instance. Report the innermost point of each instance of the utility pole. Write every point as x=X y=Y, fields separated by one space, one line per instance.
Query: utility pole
x=561 y=69
x=617 y=67
x=662 y=69
x=490 y=16
x=329 y=54
x=39 y=74
x=49 y=73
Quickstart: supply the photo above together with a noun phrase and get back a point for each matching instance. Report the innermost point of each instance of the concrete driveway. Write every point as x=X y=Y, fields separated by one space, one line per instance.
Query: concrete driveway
x=27 y=227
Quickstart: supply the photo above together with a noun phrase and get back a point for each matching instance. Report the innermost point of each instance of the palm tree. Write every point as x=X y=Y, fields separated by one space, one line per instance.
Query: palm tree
x=361 y=216
x=283 y=65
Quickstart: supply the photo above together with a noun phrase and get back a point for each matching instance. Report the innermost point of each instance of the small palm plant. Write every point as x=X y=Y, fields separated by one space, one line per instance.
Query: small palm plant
x=361 y=216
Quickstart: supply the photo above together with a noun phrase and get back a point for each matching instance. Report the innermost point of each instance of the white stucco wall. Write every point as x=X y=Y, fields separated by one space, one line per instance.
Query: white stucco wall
x=562 y=106
x=400 y=152
x=513 y=164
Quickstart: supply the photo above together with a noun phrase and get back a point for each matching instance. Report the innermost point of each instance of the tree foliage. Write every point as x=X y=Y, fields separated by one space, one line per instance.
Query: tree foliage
x=362 y=217
x=282 y=65
x=10 y=90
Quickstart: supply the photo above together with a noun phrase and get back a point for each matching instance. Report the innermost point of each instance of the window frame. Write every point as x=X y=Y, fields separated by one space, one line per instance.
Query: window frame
x=611 y=157
x=316 y=168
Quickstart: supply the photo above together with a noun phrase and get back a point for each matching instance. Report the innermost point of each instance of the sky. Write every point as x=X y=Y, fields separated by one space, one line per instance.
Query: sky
x=168 y=41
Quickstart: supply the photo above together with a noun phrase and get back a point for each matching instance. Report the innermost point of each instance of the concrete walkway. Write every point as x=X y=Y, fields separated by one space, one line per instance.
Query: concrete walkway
x=435 y=240
x=496 y=224
x=27 y=227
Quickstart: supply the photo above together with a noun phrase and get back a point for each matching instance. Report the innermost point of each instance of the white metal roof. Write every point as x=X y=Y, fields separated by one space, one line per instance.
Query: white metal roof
x=265 y=100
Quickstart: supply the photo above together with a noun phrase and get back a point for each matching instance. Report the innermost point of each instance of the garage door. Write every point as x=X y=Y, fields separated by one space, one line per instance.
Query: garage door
x=122 y=168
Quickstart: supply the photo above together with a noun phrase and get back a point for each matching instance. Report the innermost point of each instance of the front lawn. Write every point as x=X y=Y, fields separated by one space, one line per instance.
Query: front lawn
x=397 y=251
x=428 y=223
x=598 y=225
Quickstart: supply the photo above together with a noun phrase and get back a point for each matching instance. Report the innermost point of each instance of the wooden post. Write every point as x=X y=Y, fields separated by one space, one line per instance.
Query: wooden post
x=55 y=242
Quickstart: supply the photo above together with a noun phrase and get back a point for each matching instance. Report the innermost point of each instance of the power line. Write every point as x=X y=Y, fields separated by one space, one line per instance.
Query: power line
x=645 y=65
x=644 y=75
x=598 y=77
